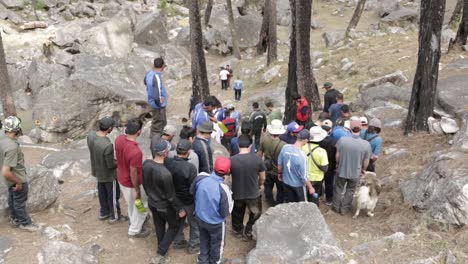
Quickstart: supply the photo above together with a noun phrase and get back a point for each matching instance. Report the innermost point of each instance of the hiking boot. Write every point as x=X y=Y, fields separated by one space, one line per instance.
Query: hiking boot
x=159 y=259
x=143 y=233
x=104 y=217
x=32 y=227
x=121 y=219
x=193 y=250
x=180 y=244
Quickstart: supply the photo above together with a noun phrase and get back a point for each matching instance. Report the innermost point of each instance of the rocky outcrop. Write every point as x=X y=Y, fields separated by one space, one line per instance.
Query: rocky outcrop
x=375 y=96
x=401 y=17
x=151 y=29
x=57 y=252
x=284 y=235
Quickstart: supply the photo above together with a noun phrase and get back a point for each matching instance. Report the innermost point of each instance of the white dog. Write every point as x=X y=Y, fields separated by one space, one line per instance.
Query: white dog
x=368 y=194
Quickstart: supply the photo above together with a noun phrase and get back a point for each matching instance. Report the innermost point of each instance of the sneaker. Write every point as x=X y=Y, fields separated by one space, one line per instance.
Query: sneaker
x=121 y=219
x=32 y=227
x=159 y=259
x=329 y=203
x=193 y=250
x=13 y=222
x=180 y=244
x=104 y=217
x=143 y=233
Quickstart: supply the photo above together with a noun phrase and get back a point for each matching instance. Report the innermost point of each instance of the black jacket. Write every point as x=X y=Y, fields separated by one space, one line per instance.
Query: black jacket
x=329 y=145
x=329 y=99
x=183 y=174
x=205 y=156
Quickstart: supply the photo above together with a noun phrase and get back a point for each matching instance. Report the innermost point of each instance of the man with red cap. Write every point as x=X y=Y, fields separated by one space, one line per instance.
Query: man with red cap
x=290 y=136
x=213 y=204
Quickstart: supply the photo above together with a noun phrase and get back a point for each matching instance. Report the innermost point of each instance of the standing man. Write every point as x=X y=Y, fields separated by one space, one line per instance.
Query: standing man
x=330 y=96
x=292 y=170
x=270 y=149
x=234 y=114
x=14 y=173
x=183 y=175
x=202 y=146
x=166 y=208
x=213 y=204
x=229 y=69
x=157 y=96
x=291 y=134
x=329 y=145
x=246 y=130
x=204 y=112
x=259 y=121
x=224 y=76
x=302 y=109
x=103 y=167
x=335 y=109
x=168 y=134
x=352 y=155
x=273 y=113
x=230 y=124
x=340 y=130
x=129 y=174
x=238 y=87
x=248 y=177
x=371 y=135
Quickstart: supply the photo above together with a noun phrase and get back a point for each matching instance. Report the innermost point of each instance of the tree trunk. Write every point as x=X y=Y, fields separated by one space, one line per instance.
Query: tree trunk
x=456 y=13
x=262 y=39
x=209 y=7
x=272 y=41
x=356 y=16
x=291 y=88
x=462 y=33
x=423 y=95
x=306 y=84
x=200 y=86
x=6 y=94
x=232 y=26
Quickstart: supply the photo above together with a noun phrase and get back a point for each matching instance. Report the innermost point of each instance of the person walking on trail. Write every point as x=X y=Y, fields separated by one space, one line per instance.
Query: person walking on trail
x=188 y=133
x=104 y=168
x=230 y=124
x=213 y=204
x=202 y=146
x=234 y=114
x=248 y=177
x=273 y=113
x=317 y=161
x=168 y=134
x=183 y=175
x=291 y=134
x=238 y=87
x=204 y=111
x=302 y=109
x=130 y=176
x=224 y=76
x=166 y=208
x=352 y=155
x=15 y=175
x=339 y=109
x=157 y=96
x=246 y=129
x=231 y=72
x=371 y=135
x=340 y=130
x=270 y=149
x=329 y=145
x=329 y=97
x=259 y=121
x=292 y=170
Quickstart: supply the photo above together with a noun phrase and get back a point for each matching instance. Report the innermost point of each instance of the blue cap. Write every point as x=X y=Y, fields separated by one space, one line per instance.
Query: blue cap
x=294 y=127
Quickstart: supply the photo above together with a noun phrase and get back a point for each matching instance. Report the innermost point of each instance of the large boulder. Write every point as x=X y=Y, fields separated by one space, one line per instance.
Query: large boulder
x=65 y=253
x=333 y=38
x=13 y=4
x=248 y=29
x=151 y=29
x=397 y=78
x=284 y=235
x=392 y=115
x=375 y=96
x=402 y=17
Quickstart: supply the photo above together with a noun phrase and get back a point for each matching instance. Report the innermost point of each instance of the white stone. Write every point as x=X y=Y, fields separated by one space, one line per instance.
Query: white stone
x=448 y=125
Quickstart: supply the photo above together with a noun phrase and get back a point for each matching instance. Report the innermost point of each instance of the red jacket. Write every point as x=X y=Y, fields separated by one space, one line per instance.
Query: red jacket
x=303 y=110
x=230 y=123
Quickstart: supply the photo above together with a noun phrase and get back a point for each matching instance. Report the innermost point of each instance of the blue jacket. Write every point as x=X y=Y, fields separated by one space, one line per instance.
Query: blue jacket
x=205 y=156
x=339 y=132
x=213 y=198
x=150 y=89
x=200 y=116
x=374 y=140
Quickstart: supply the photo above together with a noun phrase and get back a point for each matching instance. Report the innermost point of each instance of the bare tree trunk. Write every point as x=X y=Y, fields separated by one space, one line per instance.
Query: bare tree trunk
x=456 y=13
x=291 y=88
x=462 y=32
x=262 y=39
x=356 y=16
x=209 y=7
x=6 y=94
x=200 y=85
x=232 y=26
x=306 y=84
x=423 y=95
x=272 y=41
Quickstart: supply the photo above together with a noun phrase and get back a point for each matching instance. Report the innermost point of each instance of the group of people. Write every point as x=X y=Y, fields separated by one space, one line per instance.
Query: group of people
x=184 y=182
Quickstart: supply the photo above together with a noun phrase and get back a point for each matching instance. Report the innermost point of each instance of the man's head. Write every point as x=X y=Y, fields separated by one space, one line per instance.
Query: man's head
x=317 y=134
x=169 y=132
x=364 y=121
x=375 y=126
x=345 y=111
x=323 y=116
x=328 y=85
x=161 y=148
x=134 y=127
x=297 y=98
x=188 y=133
x=339 y=97
x=230 y=107
x=246 y=128
x=269 y=105
x=209 y=104
x=222 y=166
x=303 y=137
x=294 y=128
x=183 y=148
x=227 y=113
x=12 y=125
x=159 y=64
x=255 y=105
x=244 y=141
x=276 y=128
x=205 y=129
x=106 y=124
x=327 y=125
x=355 y=126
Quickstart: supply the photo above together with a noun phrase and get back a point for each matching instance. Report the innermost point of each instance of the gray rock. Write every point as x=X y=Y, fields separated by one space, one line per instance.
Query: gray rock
x=376 y=96
x=13 y=4
x=181 y=10
x=314 y=24
x=151 y=29
x=370 y=249
x=399 y=154
x=65 y=253
x=443 y=257
x=434 y=126
x=401 y=17
x=297 y=241
x=248 y=29
x=84 y=9
x=271 y=73
x=385 y=7
x=392 y=115
x=448 y=125
x=110 y=9
x=41 y=75
x=10 y=15
x=68 y=163
x=6 y=244
x=397 y=78
x=333 y=38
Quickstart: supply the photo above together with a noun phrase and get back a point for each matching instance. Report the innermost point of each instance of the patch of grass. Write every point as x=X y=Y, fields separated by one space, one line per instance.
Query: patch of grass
x=162 y=4
x=39 y=5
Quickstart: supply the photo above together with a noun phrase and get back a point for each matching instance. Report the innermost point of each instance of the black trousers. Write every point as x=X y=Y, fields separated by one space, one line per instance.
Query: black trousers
x=224 y=84
x=159 y=121
x=371 y=166
x=211 y=242
x=237 y=94
x=329 y=179
x=17 y=205
x=165 y=236
x=258 y=135
x=226 y=142
x=318 y=186
x=109 y=195
x=255 y=211
x=294 y=194
x=270 y=182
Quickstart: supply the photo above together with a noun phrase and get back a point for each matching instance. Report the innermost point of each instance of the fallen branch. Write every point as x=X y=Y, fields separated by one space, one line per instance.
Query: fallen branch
x=33 y=25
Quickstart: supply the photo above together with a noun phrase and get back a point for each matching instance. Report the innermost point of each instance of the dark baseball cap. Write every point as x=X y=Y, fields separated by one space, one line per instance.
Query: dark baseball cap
x=161 y=146
x=345 y=108
x=184 y=146
x=303 y=134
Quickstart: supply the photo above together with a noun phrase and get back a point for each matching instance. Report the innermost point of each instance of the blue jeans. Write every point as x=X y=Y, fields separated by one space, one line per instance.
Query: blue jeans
x=17 y=205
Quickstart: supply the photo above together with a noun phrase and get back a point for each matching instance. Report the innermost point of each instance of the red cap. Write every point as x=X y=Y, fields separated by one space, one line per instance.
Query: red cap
x=222 y=165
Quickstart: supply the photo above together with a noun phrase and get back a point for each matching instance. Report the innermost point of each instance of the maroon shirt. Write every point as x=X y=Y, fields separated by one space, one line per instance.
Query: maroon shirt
x=128 y=155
